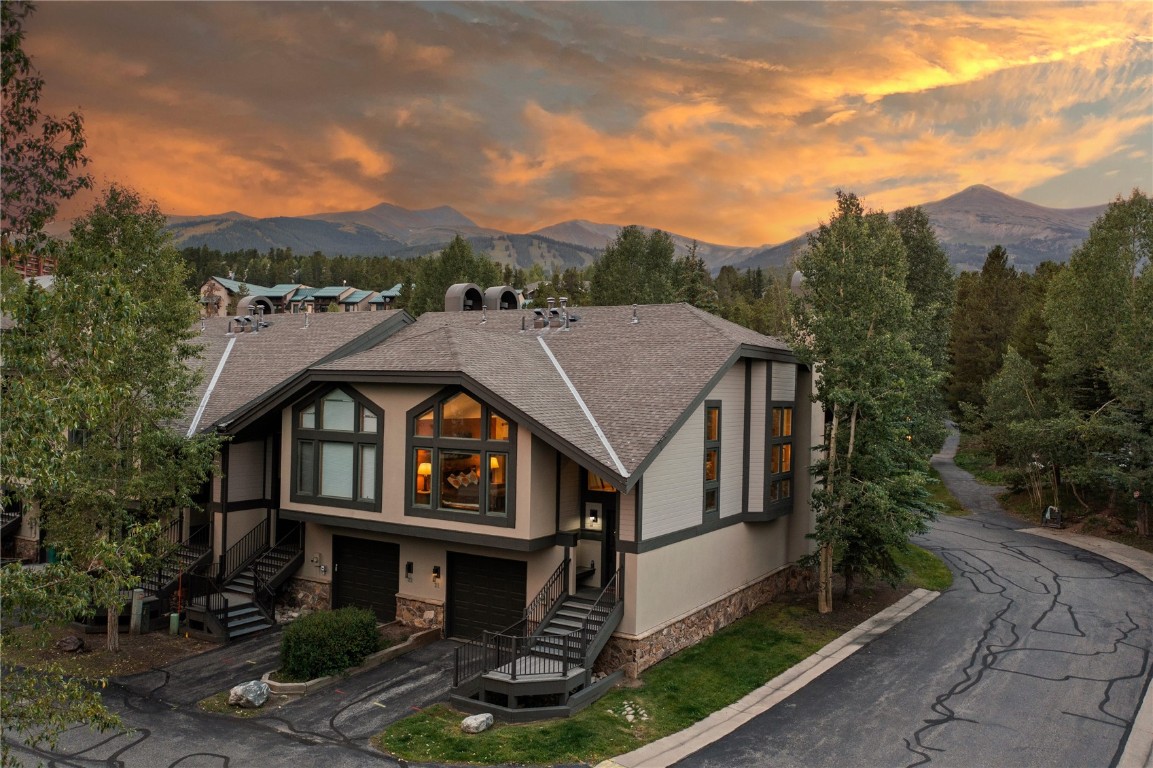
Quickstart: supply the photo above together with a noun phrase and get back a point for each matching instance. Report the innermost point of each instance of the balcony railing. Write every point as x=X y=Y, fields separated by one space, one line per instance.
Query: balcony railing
x=241 y=554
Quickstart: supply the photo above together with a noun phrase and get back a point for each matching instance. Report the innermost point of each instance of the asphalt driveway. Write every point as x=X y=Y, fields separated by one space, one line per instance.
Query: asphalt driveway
x=1038 y=655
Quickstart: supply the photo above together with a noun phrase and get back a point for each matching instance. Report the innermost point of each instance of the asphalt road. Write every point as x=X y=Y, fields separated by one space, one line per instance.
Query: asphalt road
x=1038 y=655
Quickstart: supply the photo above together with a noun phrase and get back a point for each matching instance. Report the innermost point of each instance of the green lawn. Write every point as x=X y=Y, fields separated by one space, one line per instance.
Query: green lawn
x=674 y=694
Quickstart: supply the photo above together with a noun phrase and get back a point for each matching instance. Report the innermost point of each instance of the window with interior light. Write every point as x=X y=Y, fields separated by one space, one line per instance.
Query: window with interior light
x=460 y=460
x=336 y=445
x=781 y=453
x=712 y=491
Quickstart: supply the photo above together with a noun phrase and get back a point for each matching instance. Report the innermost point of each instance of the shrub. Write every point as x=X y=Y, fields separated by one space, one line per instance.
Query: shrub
x=328 y=642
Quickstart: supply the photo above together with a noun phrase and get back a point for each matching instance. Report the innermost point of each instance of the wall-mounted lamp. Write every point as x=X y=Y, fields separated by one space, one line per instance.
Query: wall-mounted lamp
x=408 y=570
x=593 y=518
x=424 y=477
x=436 y=576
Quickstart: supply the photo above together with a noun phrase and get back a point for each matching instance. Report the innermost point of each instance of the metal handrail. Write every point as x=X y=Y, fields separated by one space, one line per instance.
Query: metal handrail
x=196 y=586
x=263 y=595
x=610 y=600
x=554 y=589
x=241 y=554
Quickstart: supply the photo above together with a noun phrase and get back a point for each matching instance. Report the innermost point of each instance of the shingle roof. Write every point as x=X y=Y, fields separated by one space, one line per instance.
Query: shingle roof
x=260 y=362
x=281 y=289
x=331 y=291
x=635 y=379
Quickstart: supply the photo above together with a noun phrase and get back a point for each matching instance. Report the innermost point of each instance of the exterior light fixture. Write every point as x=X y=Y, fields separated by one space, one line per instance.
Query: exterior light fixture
x=408 y=570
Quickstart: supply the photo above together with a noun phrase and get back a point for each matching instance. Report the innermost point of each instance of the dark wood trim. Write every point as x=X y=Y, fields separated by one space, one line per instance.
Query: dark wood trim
x=420 y=532
x=747 y=439
x=639 y=548
x=237 y=506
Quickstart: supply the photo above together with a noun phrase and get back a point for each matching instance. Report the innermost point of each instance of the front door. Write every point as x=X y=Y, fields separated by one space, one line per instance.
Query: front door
x=609 y=542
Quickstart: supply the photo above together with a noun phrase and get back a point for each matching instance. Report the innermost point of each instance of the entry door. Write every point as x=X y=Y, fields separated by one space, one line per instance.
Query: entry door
x=365 y=574
x=609 y=543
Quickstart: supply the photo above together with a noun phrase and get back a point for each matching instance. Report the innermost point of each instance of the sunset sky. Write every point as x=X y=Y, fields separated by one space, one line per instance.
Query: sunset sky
x=729 y=122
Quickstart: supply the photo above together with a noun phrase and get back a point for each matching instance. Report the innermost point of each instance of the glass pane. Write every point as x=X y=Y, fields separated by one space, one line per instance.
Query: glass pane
x=711 y=458
x=775 y=462
x=423 y=425
x=786 y=489
x=336 y=470
x=308 y=418
x=712 y=424
x=711 y=500
x=337 y=411
x=774 y=490
x=306 y=467
x=595 y=483
x=786 y=422
x=460 y=417
x=787 y=457
x=422 y=483
x=367 y=472
x=497 y=464
x=497 y=428
x=368 y=422
x=460 y=480
x=777 y=422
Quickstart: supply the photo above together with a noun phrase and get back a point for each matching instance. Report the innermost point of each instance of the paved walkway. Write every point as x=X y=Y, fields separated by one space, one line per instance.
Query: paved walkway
x=1039 y=655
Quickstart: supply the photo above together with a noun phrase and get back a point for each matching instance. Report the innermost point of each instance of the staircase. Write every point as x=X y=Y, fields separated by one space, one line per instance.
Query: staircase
x=9 y=521
x=245 y=603
x=539 y=669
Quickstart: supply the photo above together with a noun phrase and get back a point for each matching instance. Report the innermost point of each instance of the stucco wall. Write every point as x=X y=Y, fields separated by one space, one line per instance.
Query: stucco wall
x=676 y=580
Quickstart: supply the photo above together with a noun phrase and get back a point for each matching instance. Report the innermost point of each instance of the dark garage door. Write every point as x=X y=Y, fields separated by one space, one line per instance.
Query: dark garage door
x=484 y=593
x=365 y=574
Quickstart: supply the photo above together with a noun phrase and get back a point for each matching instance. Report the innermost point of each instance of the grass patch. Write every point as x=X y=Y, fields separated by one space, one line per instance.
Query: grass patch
x=218 y=704
x=673 y=695
x=926 y=570
x=939 y=494
x=980 y=463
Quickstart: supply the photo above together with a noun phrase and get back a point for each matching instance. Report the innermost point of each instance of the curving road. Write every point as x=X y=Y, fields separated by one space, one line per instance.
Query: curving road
x=1038 y=655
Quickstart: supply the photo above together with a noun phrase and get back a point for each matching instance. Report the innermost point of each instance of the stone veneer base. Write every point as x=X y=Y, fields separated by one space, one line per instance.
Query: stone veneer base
x=26 y=550
x=419 y=613
x=635 y=655
x=306 y=595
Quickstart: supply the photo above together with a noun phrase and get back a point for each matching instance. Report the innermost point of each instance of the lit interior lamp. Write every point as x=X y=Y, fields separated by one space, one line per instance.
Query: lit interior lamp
x=423 y=477
x=495 y=475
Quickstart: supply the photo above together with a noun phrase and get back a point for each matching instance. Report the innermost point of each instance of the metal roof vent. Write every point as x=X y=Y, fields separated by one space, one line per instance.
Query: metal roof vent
x=501 y=297
x=635 y=318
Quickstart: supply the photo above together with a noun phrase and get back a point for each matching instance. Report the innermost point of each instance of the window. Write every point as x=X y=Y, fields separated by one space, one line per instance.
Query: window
x=336 y=445
x=712 y=457
x=461 y=459
x=781 y=454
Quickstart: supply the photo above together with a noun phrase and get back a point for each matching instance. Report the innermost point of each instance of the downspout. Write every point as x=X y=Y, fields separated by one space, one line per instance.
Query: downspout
x=223 y=510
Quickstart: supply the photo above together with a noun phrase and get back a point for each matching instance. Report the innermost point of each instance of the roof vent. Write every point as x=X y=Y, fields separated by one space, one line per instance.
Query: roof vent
x=463 y=297
x=501 y=297
x=564 y=311
x=635 y=318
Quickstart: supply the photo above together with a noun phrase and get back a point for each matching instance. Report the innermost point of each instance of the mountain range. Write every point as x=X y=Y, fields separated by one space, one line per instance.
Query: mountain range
x=968 y=224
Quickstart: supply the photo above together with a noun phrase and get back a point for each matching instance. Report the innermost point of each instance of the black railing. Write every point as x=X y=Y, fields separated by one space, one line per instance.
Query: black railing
x=604 y=605
x=200 y=592
x=263 y=595
x=475 y=656
x=241 y=554
x=554 y=590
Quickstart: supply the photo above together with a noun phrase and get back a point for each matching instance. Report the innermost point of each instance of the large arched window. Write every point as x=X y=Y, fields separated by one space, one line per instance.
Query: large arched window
x=460 y=462
x=336 y=448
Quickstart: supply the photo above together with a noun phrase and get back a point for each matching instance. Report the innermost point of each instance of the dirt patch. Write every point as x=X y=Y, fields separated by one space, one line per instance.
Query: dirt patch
x=395 y=634
x=847 y=613
x=138 y=653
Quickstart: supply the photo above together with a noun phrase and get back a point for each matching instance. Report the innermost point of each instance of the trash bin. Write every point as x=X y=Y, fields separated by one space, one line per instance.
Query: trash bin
x=51 y=552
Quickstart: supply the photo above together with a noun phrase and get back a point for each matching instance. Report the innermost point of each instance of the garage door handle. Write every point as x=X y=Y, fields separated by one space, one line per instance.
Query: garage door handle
x=335 y=567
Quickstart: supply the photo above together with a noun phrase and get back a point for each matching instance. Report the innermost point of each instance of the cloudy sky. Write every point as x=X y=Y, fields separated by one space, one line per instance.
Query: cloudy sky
x=729 y=122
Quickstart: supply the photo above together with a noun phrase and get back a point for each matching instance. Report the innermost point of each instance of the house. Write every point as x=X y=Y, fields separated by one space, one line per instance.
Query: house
x=386 y=299
x=358 y=301
x=220 y=296
x=581 y=493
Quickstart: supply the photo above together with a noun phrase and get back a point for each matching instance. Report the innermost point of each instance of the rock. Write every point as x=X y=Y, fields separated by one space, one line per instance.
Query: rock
x=70 y=644
x=252 y=694
x=476 y=723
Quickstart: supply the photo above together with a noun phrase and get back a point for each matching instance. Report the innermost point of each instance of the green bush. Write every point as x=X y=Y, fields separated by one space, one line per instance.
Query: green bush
x=328 y=642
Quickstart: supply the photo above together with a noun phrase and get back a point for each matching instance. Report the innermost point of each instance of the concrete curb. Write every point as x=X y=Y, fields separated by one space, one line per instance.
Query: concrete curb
x=666 y=751
x=1138 y=752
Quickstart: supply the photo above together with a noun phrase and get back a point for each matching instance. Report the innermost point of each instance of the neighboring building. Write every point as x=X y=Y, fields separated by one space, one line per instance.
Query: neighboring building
x=358 y=301
x=385 y=299
x=504 y=471
x=221 y=296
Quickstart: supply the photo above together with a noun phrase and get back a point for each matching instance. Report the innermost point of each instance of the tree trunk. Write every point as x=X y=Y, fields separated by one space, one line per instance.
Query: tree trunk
x=112 y=635
x=825 y=580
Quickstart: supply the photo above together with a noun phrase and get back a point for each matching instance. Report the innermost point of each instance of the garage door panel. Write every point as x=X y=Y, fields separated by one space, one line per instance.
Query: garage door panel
x=484 y=593
x=366 y=574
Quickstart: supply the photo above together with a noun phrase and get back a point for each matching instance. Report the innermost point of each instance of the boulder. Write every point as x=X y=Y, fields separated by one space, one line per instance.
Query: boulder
x=70 y=644
x=476 y=723
x=252 y=694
